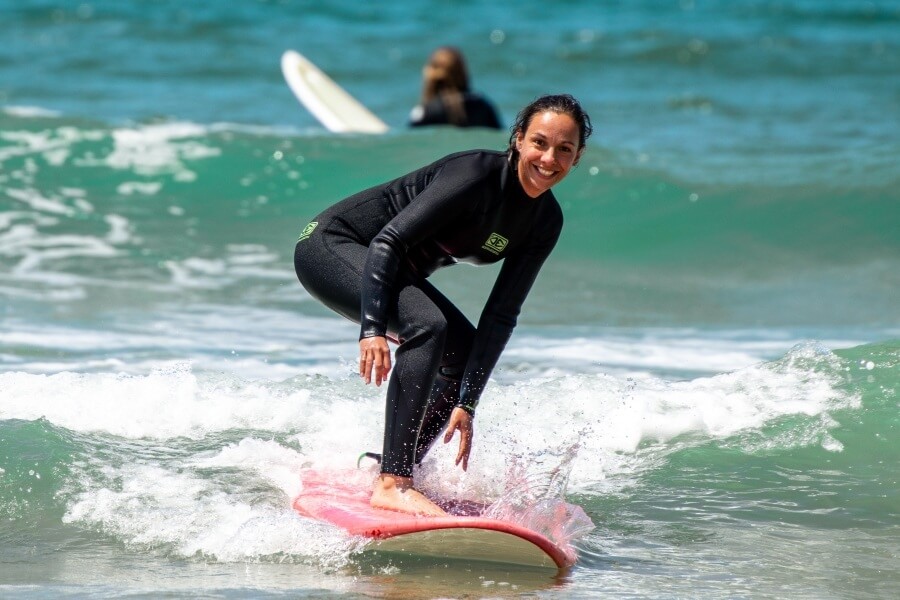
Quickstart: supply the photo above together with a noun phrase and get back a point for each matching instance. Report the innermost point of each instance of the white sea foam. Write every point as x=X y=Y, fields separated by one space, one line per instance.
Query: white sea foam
x=54 y=145
x=258 y=344
x=678 y=352
x=336 y=415
x=240 y=263
x=120 y=230
x=607 y=429
x=180 y=510
x=36 y=250
x=26 y=239
x=147 y=188
x=162 y=148
x=29 y=111
x=38 y=202
x=149 y=150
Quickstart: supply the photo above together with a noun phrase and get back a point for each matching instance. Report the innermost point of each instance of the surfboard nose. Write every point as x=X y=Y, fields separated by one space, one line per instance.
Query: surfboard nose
x=328 y=102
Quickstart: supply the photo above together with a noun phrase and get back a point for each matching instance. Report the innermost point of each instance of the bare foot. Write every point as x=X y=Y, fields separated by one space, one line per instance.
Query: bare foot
x=397 y=493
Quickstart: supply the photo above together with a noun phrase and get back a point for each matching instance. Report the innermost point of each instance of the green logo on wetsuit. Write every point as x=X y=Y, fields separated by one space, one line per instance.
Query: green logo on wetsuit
x=495 y=243
x=307 y=231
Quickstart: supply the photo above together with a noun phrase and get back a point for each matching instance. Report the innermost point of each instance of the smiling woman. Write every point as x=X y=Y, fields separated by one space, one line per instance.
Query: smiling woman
x=479 y=207
x=547 y=141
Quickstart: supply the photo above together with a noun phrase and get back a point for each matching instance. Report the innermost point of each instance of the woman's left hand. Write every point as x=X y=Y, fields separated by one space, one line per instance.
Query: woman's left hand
x=461 y=420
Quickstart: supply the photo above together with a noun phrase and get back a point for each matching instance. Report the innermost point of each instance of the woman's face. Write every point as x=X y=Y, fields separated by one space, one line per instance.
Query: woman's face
x=548 y=149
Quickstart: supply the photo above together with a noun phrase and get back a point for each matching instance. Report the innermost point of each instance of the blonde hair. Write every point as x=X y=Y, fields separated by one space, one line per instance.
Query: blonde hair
x=445 y=76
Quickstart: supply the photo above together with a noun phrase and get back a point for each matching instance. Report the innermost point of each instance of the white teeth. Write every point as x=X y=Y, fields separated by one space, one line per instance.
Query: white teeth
x=546 y=172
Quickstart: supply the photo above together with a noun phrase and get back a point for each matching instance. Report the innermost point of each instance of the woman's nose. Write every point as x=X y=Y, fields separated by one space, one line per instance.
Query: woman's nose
x=549 y=156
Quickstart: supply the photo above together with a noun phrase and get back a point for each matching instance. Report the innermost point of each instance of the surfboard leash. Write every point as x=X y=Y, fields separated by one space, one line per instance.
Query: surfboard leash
x=373 y=455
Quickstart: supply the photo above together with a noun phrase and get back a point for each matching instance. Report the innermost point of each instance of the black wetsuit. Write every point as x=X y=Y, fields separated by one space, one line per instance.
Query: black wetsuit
x=478 y=113
x=368 y=257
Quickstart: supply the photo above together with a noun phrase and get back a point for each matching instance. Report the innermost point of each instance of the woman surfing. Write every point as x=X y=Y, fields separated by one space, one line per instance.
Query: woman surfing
x=369 y=256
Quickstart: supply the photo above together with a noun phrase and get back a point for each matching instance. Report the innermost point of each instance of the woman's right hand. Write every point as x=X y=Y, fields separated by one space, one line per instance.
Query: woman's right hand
x=374 y=359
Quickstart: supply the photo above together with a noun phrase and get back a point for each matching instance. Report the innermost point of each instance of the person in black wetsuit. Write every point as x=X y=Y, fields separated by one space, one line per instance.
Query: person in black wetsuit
x=446 y=97
x=368 y=258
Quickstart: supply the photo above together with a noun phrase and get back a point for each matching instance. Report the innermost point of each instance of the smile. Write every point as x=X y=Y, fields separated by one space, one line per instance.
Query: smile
x=545 y=172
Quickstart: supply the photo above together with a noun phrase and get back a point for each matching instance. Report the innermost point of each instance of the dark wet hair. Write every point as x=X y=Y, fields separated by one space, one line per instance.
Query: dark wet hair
x=558 y=103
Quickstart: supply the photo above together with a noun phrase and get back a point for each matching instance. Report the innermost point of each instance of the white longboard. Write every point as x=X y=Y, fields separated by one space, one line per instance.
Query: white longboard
x=328 y=102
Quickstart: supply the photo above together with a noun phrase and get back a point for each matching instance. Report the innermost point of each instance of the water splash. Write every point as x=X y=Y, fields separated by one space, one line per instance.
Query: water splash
x=535 y=490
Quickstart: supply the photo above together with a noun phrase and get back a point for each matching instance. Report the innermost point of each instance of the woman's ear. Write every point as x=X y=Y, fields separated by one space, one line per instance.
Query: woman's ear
x=578 y=156
x=519 y=139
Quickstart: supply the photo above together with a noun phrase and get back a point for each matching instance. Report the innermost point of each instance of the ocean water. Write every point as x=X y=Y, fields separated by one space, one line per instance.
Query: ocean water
x=708 y=364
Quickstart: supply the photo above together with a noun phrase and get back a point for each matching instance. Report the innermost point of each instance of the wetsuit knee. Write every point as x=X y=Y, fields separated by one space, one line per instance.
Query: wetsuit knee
x=430 y=327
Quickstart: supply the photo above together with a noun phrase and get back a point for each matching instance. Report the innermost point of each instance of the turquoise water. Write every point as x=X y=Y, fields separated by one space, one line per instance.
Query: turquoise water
x=710 y=357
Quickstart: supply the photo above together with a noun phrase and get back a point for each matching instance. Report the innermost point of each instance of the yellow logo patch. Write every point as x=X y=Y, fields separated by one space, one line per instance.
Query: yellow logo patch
x=495 y=243
x=307 y=231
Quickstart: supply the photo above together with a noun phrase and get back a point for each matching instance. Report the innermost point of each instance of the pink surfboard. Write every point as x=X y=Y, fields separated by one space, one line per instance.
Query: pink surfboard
x=342 y=499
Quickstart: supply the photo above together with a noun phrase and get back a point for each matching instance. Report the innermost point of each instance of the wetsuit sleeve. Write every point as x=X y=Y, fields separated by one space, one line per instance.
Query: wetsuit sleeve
x=501 y=312
x=450 y=194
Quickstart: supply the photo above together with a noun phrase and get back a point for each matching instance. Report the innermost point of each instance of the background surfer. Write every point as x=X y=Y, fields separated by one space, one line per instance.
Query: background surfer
x=368 y=258
x=446 y=96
